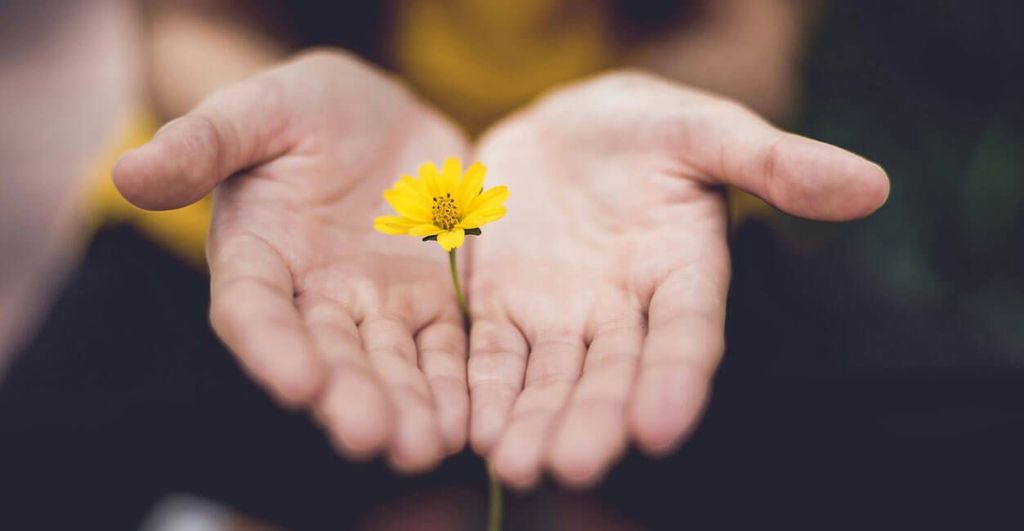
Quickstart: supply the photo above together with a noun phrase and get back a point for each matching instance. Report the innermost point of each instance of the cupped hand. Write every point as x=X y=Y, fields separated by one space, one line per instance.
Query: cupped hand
x=598 y=304
x=361 y=328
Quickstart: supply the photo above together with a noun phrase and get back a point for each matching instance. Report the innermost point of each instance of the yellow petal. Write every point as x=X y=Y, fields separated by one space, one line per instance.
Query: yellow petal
x=492 y=198
x=470 y=186
x=479 y=218
x=392 y=225
x=451 y=173
x=425 y=230
x=431 y=178
x=414 y=188
x=409 y=206
x=452 y=239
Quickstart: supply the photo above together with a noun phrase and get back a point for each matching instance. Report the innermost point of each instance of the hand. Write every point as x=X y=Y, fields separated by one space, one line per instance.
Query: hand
x=326 y=313
x=598 y=304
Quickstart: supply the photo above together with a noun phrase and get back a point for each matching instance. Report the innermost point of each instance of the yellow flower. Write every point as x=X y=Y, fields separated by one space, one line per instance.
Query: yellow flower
x=445 y=205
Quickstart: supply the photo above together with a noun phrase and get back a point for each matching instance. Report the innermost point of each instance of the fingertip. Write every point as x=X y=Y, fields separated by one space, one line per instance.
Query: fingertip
x=454 y=425
x=665 y=410
x=413 y=465
x=415 y=457
x=575 y=467
x=416 y=444
x=580 y=459
x=653 y=437
x=359 y=423
x=358 y=445
x=296 y=384
x=654 y=440
x=876 y=188
x=177 y=167
x=516 y=467
x=816 y=180
x=143 y=178
x=485 y=427
x=856 y=188
x=579 y=478
x=452 y=415
x=127 y=175
x=294 y=380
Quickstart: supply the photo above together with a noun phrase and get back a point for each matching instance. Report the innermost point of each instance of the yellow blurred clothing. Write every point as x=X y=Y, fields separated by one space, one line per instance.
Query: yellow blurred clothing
x=479 y=60
x=476 y=61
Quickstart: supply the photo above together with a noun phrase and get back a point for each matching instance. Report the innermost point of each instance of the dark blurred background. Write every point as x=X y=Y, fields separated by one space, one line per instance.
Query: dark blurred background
x=875 y=369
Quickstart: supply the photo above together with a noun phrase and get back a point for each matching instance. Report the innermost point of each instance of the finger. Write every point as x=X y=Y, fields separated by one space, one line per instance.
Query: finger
x=353 y=408
x=497 y=364
x=232 y=129
x=252 y=310
x=801 y=176
x=683 y=347
x=442 y=358
x=416 y=443
x=592 y=432
x=552 y=370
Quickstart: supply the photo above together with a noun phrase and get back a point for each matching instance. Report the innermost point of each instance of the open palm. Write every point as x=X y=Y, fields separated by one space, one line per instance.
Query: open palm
x=361 y=328
x=599 y=303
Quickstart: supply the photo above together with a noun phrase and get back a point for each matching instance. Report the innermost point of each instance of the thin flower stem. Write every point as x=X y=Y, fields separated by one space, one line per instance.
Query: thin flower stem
x=459 y=297
x=494 y=518
x=496 y=504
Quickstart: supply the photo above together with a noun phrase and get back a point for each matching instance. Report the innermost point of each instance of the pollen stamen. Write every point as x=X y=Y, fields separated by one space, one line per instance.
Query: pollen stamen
x=446 y=213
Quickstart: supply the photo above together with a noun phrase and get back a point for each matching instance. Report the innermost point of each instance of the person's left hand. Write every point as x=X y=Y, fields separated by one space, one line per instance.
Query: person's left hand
x=598 y=304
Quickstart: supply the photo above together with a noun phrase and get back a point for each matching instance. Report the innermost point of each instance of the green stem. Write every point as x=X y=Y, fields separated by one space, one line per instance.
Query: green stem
x=495 y=514
x=459 y=297
x=494 y=518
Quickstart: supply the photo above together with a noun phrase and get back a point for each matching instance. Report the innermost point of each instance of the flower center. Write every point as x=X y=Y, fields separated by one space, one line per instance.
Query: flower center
x=446 y=215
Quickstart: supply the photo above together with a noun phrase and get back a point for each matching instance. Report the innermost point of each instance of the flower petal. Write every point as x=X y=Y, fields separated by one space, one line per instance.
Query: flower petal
x=392 y=225
x=431 y=178
x=492 y=198
x=425 y=229
x=470 y=185
x=452 y=239
x=408 y=205
x=451 y=174
x=479 y=218
x=413 y=187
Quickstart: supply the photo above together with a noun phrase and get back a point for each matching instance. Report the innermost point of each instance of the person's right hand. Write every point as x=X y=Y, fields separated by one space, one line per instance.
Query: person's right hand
x=328 y=314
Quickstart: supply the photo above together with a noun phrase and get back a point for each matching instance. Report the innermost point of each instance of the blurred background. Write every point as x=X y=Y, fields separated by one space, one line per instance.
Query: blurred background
x=875 y=369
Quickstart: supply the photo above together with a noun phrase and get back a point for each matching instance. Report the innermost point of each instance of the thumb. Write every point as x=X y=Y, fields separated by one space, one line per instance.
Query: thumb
x=234 y=128
x=798 y=175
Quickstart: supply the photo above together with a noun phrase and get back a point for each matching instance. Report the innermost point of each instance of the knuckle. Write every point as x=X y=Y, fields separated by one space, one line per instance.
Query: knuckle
x=557 y=340
x=538 y=413
x=447 y=382
x=489 y=340
x=768 y=162
x=485 y=366
x=552 y=377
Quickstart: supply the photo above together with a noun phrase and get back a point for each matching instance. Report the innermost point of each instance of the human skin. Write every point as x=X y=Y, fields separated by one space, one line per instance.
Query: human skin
x=192 y=48
x=598 y=304
x=357 y=327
